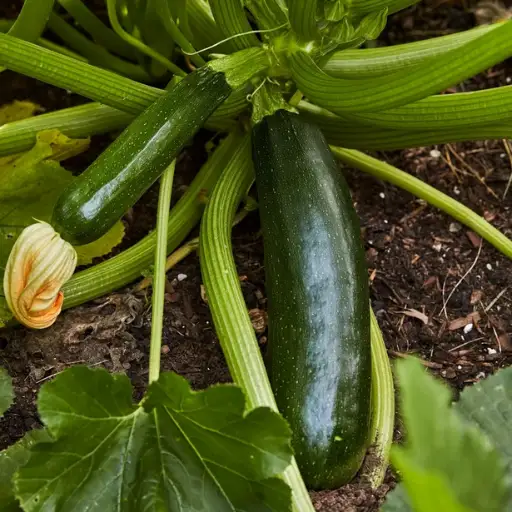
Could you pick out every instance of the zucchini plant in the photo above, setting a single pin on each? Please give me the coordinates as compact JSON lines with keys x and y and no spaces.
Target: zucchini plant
{"x":294,"y":77}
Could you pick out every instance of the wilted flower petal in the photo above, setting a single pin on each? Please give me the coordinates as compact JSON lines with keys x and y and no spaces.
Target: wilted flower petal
{"x":39,"y":264}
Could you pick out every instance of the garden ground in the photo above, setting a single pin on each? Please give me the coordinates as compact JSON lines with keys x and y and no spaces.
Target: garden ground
{"x":438,"y":291}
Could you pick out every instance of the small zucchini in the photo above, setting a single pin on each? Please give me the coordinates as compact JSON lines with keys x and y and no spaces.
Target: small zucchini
{"x":99,"y":197}
{"x":317,"y":287}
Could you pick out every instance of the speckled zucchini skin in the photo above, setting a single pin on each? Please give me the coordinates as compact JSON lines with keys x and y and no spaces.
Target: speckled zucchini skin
{"x":99,"y":197}
{"x":317,"y":287}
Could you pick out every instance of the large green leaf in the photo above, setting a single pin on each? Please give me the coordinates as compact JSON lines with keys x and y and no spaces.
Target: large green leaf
{"x":446,"y":463}
{"x":6,"y":391}
{"x":30,"y":185}
{"x":404,"y":86}
{"x":397,"y":500}
{"x":488,"y":404}
{"x":11,"y":460}
{"x":181,"y":450}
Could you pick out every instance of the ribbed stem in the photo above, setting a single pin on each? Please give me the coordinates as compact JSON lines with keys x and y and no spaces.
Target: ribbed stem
{"x":229,"y":312}
{"x":403,"y":86}
{"x":94,"y":53}
{"x":157,"y":311}
{"x":431,"y":195}
{"x":31,"y":20}
{"x":352,"y":134}
{"x":128,"y":266}
{"x":383,"y":407}
{"x":98,"y":31}
{"x":375,"y":62}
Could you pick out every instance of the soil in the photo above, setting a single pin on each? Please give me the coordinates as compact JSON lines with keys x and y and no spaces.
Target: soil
{"x":438,"y":291}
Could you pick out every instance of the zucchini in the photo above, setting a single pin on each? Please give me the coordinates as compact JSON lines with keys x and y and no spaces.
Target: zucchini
{"x":99,"y":197}
{"x":319,"y":325}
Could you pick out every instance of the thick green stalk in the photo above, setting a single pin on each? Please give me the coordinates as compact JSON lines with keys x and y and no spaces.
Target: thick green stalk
{"x":177,"y":36}
{"x":128,"y":266}
{"x":352,"y":134}
{"x":157,"y":314}
{"x":429,"y":194}
{"x":383,"y":407}
{"x":302,"y":14}
{"x":76,"y":122}
{"x":32,"y":19}
{"x":231,"y":20}
{"x":79,"y":77}
{"x":204,"y":29}
{"x":268,"y":13}
{"x":5,"y":25}
{"x":375,"y":62}
{"x":102,"y":85}
{"x":362,"y":7}
{"x":404,"y":86}
{"x":98,"y":31}
{"x":229,"y":312}
{"x":95,"y":54}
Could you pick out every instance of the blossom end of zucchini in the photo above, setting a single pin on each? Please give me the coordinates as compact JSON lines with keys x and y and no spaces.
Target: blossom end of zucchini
{"x":39,"y":264}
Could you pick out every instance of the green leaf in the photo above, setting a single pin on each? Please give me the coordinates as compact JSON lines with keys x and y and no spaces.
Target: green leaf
{"x":6,"y":391}
{"x":16,"y":111}
{"x":102,"y":246}
{"x":397,"y":500}
{"x":403,"y":86}
{"x":5,"y":312}
{"x":446,"y":463}
{"x":11,"y":460}
{"x":183,"y":450}
{"x":30,"y":185}
{"x":488,"y":404}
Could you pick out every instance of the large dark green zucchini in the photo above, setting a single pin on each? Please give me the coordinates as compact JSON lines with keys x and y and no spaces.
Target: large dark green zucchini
{"x":317,"y":287}
{"x":99,"y":197}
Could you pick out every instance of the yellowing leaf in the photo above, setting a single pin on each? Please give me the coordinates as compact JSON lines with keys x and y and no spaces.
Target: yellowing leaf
{"x":102,"y":246}
{"x":17,"y":110}
{"x":31,"y":183}
{"x":61,"y":146}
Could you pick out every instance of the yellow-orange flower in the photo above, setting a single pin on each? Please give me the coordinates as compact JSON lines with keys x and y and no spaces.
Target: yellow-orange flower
{"x":39,"y":264}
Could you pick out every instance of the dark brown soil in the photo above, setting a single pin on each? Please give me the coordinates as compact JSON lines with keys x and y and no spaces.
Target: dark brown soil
{"x":430,"y":276}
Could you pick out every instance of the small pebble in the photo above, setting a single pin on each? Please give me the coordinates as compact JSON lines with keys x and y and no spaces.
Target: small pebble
{"x":456,"y":191}
{"x":508,"y":79}
{"x":454,"y":227}
{"x":480,"y":375}
{"x":491,"y":351}
{"x":181,"y":277}
{"x":488,"y":266}
{"x":382,"y":195}
{"x":468,"y":328}
{"x":435,"y":153}
{"x":165,"y":349}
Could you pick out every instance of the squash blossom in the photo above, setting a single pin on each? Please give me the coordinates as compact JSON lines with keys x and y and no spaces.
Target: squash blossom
{"x":39,"y":264}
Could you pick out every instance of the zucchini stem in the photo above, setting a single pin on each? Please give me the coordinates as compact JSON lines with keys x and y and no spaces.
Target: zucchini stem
{"x":383,"y":408}
{"x":431,"y":195}
{"x":136,"y":43}
{"x":32,"y":19}
{"x":157,"y":317}
{"x":229,"y":312}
